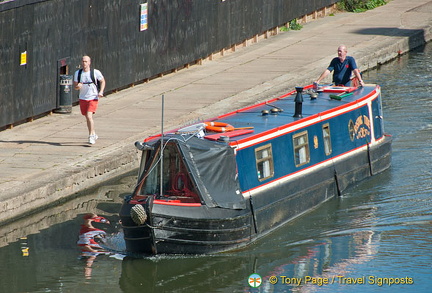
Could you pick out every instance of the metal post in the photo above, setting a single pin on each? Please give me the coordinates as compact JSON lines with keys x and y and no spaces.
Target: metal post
{"x":162,"y":148}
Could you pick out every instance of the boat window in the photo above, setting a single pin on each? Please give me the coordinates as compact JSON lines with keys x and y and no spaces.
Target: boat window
{"x":176,"y":182}
{"x":327,"y":139}
{"x":264,"y":162}
{"x":301,"y":148}
{"x":144,"y":158}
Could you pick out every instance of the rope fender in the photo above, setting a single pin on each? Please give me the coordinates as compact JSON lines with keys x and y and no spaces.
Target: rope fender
{"x":138,"y":214}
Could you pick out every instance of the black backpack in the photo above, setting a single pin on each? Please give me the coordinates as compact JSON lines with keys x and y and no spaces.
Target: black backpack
{"x":93,"y":78}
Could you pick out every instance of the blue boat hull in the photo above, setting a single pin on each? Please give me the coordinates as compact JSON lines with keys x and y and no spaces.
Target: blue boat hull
{"x":203,"y":230}
{"x":219,"y":195}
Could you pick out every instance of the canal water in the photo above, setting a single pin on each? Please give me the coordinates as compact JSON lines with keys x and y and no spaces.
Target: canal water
{"x":377,"y":237}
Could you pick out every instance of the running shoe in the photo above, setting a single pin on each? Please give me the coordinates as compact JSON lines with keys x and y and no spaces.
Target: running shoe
{"x":93,"y":138}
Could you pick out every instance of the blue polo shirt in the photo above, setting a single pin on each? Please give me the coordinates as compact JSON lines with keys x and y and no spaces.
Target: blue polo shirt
{"x":342,"y":70}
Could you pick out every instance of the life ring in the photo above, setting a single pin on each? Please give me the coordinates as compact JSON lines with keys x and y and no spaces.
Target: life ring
{"x":218,"y":126}
{"x":180,"y":183}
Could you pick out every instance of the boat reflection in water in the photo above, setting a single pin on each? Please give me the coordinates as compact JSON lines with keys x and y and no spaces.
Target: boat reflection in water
{"x":331,"y":263}
{"x":325,"y":258}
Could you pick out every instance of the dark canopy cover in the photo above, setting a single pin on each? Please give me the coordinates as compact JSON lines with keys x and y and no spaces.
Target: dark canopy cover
{"x":214,"y":170}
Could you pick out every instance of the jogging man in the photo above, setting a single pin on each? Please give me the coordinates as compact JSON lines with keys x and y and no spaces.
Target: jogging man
{"x":91,"y":86}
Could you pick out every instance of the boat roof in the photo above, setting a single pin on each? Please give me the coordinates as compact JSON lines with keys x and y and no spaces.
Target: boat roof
{"x":278,"y":113}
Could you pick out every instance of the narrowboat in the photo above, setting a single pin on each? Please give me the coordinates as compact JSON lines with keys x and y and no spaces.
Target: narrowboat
{"x":223,"y":183}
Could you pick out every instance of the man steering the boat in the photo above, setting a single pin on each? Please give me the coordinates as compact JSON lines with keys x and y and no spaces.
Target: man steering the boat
{"x":342,"y":66}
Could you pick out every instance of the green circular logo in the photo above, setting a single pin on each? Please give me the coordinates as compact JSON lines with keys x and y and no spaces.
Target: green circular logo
{"x":255,"y":280}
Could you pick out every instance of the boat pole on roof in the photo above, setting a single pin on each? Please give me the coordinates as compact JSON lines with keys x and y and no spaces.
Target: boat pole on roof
{"x":161,"y":148}
{"x":298,"y":102}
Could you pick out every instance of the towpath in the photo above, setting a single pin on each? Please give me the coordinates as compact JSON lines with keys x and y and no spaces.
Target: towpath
{"x":49,"y":159}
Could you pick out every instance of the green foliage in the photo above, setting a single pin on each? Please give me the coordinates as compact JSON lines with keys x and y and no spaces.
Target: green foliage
{"x":360,"y":5}
{"x":294,"y":25}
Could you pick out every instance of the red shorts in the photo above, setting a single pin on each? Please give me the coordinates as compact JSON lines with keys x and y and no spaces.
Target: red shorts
{"x":88,"y":106}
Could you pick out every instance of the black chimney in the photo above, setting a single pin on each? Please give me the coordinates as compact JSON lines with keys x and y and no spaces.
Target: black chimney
{"x":298,"y":102}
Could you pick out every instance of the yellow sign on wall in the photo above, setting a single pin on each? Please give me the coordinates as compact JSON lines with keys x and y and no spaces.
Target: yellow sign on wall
{"x":23,"y":58}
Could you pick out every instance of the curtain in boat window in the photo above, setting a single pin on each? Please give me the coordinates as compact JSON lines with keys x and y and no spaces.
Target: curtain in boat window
{"x":301,"y":148}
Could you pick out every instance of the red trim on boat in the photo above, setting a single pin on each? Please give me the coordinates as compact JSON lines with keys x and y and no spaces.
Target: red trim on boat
{"x":175,"y":203}
{"x":229,"y":134}
{"x":152,"y":137}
